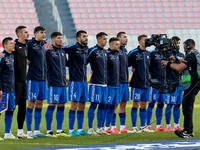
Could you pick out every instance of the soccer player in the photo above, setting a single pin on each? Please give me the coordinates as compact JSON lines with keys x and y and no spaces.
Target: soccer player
{"x":36,"y":81}
{"x":155,"y":96}
{"x":77,"y":86}
{"x":113,"y":81}
{"x":57,"y":90}
{"x":123,"y":86}
{"x":97,"y":57}
{"x":139,"y":59}
{"x":7,"y":83}
{"x":175,"y":98}
{"x":20,"y":57}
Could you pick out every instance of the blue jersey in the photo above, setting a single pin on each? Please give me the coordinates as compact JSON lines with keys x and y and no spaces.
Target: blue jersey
{"x":170,"y":72}
{"x":77,"y":61}
{"x":37,"y":56}
{"x":123,"y":64}
{"x":56,"y":67}
{"x":140,"y":60}
{"x":113,"y":68}
{"x":97,"y":57}
{"x":7,"y":78}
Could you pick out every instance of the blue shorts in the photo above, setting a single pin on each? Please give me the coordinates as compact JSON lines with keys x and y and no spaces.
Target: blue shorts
{"x":57,"y":95}
{"x":176,"y":97}
{"x":113,"y":95}
{"x":124,"y":92}
{"x":78,"y":91}
{"x":140,"y":94}
{"x":98,"y":94}
{"x":36,"y":90}
{"x":10,"y":97}
{"x":157,"y":97}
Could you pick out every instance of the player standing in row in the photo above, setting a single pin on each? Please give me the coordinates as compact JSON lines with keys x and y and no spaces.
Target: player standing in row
{"x":175,"y":98}
{"x":57,"y":90}
{"x":97,"y":57}
{"x":140,"y":59}
{"x":113,"y":81}
{"x":123,"y":86}
{"x":7,"y":83}
{"x":155,"y":96}
{"x":77,"y":87}
{"x":36,"y":81}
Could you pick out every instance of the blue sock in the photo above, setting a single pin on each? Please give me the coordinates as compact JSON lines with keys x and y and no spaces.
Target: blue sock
{"x":104,"y":117}
{"x":176,"y":114}
{"x":80,"y":119}
{"x":100,"y":115}
{"x":168,"y":111}
{"x":149,"y":113}
{"x":109,"y":115}
{"x":113,"y":119}
{"x":142,"y":117}
{"x":60,"y":117}
{"x":8,"y":121}
{"x":29,"y":115}
{"x":134,"y":116}
{"x":159,"y":112}
{"x":91,"y":112}
{"x":122,"y":117}
{"x":49,"y":116}
{"x":72,"y":115}
{"x":37,"y":117}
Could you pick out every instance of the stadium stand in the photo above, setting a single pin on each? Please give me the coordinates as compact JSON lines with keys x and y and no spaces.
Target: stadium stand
{"x":14,"y":13}
{"x":174,"y":17}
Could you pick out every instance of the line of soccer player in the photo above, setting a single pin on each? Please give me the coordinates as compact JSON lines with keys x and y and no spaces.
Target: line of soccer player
{"x":108,"y":85}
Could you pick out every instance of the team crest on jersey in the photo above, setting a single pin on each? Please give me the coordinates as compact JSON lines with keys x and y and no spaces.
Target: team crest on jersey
{"x":62,"y":54}
{"x":98,"y":54}
{"x":138,"y":56}
{"x":147,"y":57}
{"x":112,"y":56}
{"x":157,"y":56}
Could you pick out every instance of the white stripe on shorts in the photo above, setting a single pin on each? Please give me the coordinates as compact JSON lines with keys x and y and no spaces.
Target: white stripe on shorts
{"x":72,"y":89}
{"x":29,"y":90}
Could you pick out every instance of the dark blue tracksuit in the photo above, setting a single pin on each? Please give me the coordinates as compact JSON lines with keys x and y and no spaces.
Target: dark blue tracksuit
{"x":37,"y":56}
{"x":7,"y":77}
{"x":170,"y":72}
{"x":77,"y":62}
{"x":123,"y":64}
{"x":113,"y":68}
{"x":56,"y":67}
{"x":156,"y":67}
{"x":97,"y":57}
{"x":140,"y":60}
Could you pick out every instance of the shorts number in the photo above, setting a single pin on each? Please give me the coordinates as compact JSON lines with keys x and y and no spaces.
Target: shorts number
{"x":56,"y":97}
{"x":74,"y":95}
{"x":109,"y":98}
{"x":33,"y":95}
{"x":97,"y":97}
{"x":173,"y":98}
{"x":137,"y":96}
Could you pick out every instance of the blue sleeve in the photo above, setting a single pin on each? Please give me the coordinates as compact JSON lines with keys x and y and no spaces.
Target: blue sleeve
{"x":68,"y":49}
{"x":131,"y":59}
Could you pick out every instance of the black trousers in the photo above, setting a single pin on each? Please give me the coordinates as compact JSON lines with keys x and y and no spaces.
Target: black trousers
{"x":20,"y":100}
{"x":187,"y":106}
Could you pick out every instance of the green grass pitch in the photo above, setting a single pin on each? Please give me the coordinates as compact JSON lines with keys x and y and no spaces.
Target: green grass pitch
{"x":92,"y":140}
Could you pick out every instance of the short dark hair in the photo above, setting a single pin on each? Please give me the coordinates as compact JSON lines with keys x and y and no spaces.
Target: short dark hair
{"x":78,"y":34}
{"x":120,"y":33}
{"x":5,"y":41}
{"x":176,"y":38}
{"x":19,"y":29}
{"x":100,"y":34}
{"x":55,"y":34}
{"x":112,"y":39}
{"x":141,"y":36}
{"x":190,"y":41}
{"x":38,"y":28}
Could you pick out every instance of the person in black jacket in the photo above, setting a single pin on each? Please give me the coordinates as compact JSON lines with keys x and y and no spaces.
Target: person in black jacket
{"x":20,"y":57}
{"x":7,"y":83}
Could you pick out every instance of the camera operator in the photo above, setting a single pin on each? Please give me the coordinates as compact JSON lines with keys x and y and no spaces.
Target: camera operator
{"x":155,"y":95}
{"x":190,"y":84}
{"x":175,"y":98}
